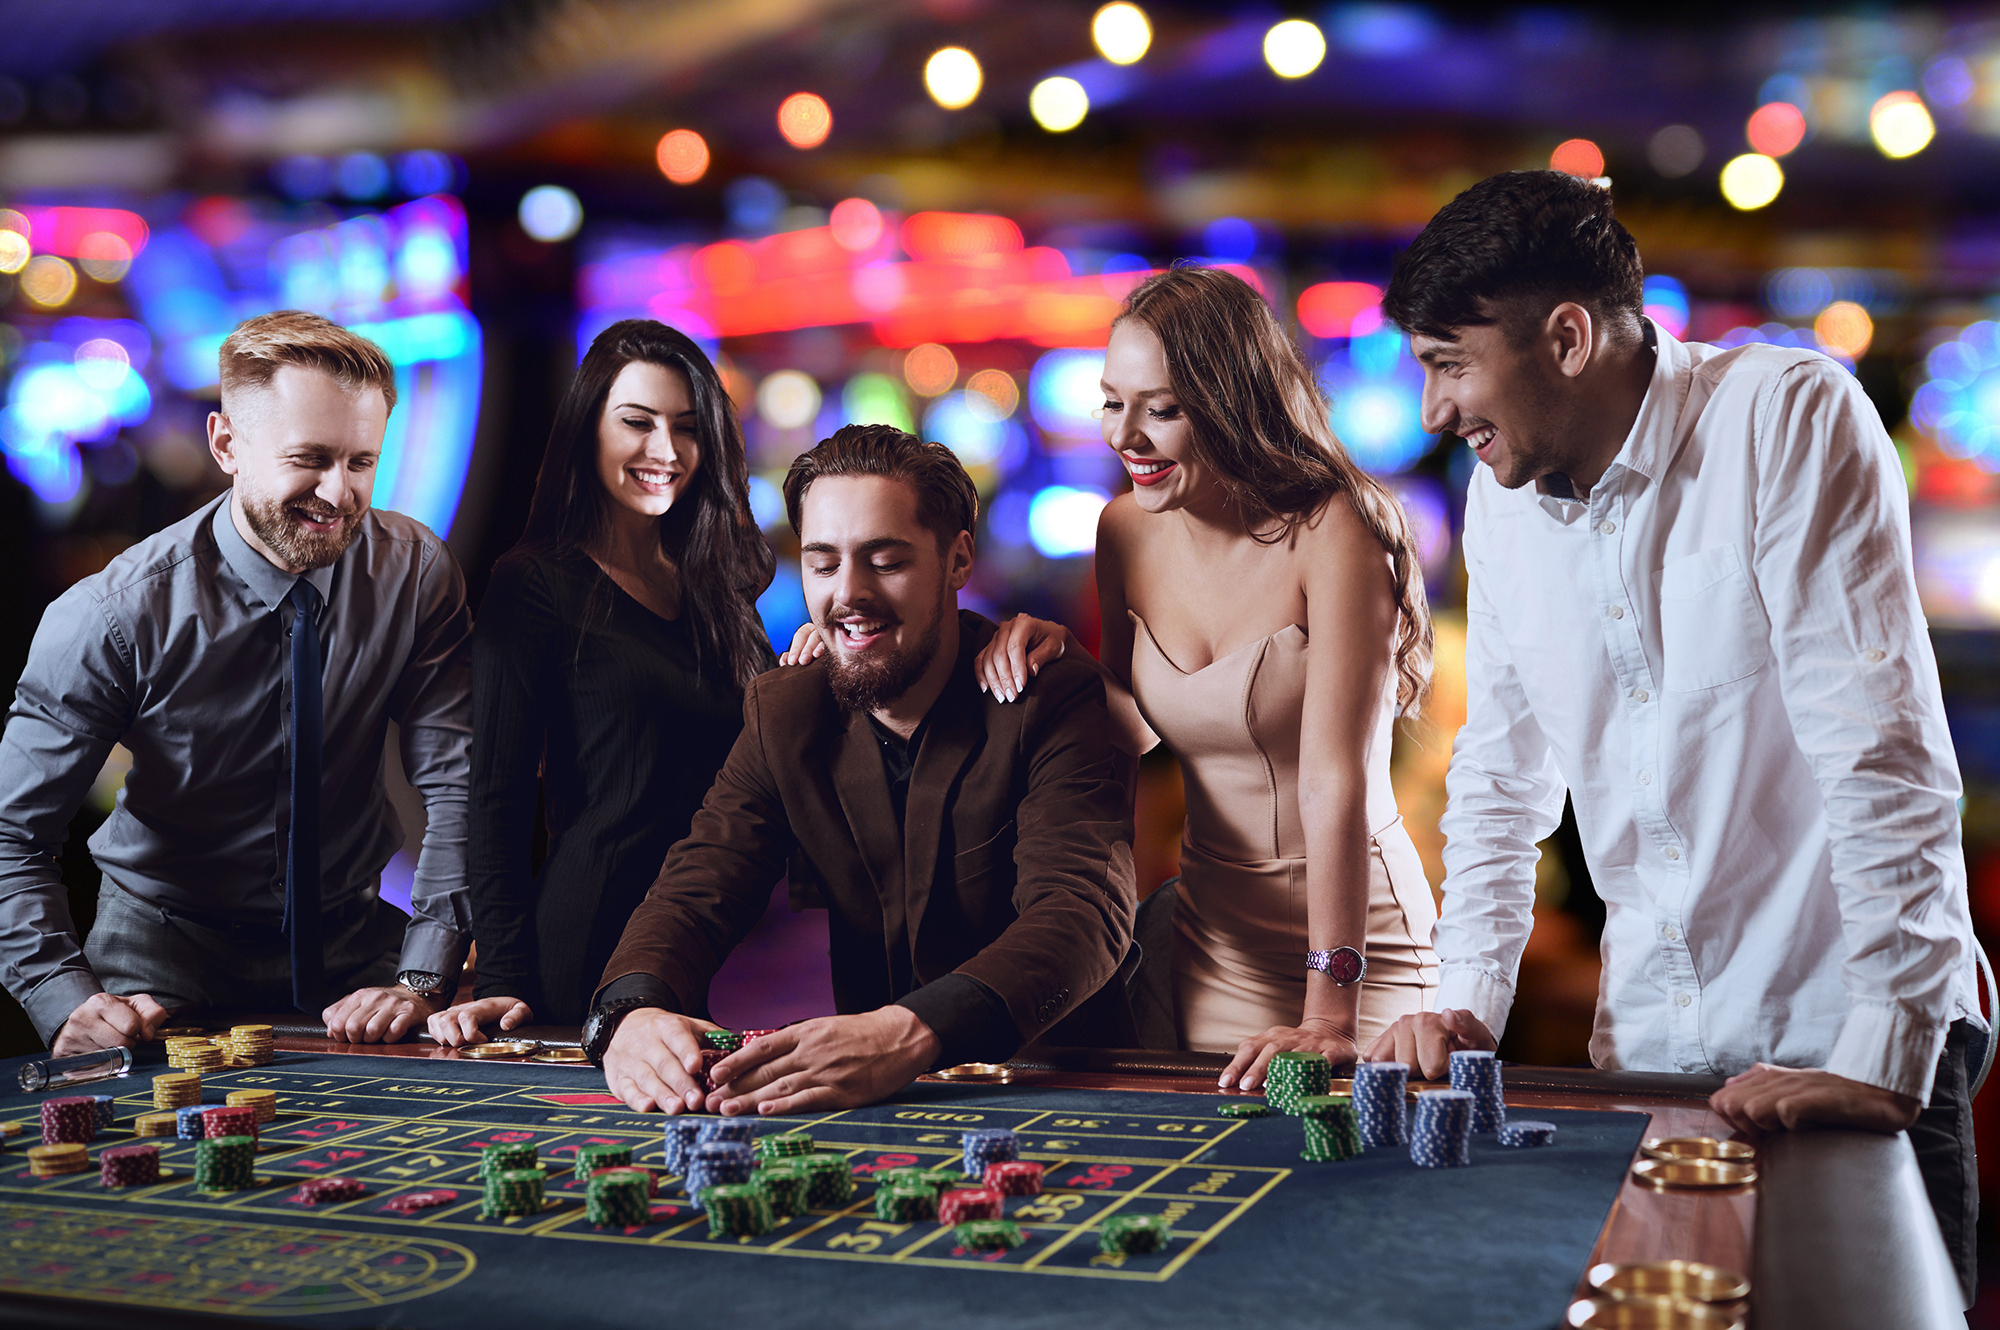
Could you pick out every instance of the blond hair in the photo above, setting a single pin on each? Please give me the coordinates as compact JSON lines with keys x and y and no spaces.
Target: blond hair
{"x":259,"y":347}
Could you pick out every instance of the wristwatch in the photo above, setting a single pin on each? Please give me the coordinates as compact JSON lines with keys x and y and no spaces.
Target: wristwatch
{"x":603,"y":1023}
{"x":1343,"y":965}
{"x":422,"y":982}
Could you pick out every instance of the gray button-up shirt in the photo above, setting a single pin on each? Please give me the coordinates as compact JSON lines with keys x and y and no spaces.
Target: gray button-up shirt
{"x":178,"y":650}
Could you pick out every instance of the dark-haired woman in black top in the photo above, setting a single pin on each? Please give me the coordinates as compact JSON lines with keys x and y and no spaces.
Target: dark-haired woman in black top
{"x":609,"y":660}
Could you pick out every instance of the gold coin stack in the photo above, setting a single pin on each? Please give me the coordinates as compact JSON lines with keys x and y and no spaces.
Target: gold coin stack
{"x":176,"y":1089}
{"x":197,"y":1055}
{"x":155,"y":1124}
{"x":48,"y":1161}
{"x":9,"y":1130}
{"x":265,"y":1102}
{"x":248,"y":1045}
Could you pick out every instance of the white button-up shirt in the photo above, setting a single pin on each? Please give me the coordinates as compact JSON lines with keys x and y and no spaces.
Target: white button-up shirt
{"x":1720,"y":655}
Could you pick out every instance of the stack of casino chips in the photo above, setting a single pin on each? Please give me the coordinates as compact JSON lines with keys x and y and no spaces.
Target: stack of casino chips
{"x":829,"y":1180}
{"x":748,"y":1035}
{"x":189,"y":1124}
{"x":1014,"y":1177}
{"x":592,"y":1158}
{"x":903,"y":1177}
{"x":617,"y":1198}
{"x":1133,"y":1235}
{"x":1442,"y":1134}
{"x":49,"y":1161}
{"x":705,"y":1077}
{"x":989,"y":1235}
{"x":155,"y":1124}
{"x":645,"y":1175}
{"x":1242,"y":1108}
{"x":129,"y":1166}
{"x":989,"y":1146}
{"x":248,"y":1045}
{"x":726,"y":1040}
{"x":69,"y":1119}
{"x":784,"y":1184}
{"x":9,"y":1130}
{"x":1290,"y":1077}
{"x":107,"y":1110}
{"x":196,"y":1053}
{"x":229,"y":1120}
{"x":961,"y":1205}
{"x":264,"y":1103}
{"x":514,"y":1191}
{"x":905,"y":1203}
{"x":716,"y":1164}
{"x":1520,"y":1133}
{"x":176,"y":1089}
{"x":225,"y":1163}
{"x":741,"y":1131}
{"x":496,"y":1161}
{"x":325,"y":1191}
{"x":680,"y":1137}
{"x":783,"y":1145}
{"x":1380,"y":1089}
{"x":1330,"y":1129}
{"x":1477,"y":1072}
{"x":737,"y":1210}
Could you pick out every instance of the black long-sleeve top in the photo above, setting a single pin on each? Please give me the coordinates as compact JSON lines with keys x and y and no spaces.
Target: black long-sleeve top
{"x":585,"y":696}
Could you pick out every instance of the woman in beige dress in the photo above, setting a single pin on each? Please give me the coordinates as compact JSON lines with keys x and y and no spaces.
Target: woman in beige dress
{"x":1264,"y":615}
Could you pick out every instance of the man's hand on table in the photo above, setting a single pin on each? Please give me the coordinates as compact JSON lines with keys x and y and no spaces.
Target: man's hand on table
{"x":457,"y":1026}
{"x":831,"y":1062}
{"x":377,"y":1015}
{"x":1767,"y":1098}
{"x":105,"y":1020}
{"x":1254,"y":1054}
{"x":653,"y":1062}
{"x":1427,"y":1039}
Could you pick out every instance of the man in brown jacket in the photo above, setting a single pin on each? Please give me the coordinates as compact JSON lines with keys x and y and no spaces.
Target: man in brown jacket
{"x":975,"y":859}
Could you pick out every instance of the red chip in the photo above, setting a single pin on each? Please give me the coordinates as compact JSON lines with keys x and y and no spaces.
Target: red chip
{"x":233,"y":1120}
{"x":963,"y":1203}
{"x":316,"y":1191}
{"x":1014,"y":1177}
{"x":709,"y":1057}
{"x":412,"y":1201}
{"x":748,"y":1035}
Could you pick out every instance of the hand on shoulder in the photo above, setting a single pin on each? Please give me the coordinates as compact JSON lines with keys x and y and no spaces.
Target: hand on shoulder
{"x":1019,"y":649}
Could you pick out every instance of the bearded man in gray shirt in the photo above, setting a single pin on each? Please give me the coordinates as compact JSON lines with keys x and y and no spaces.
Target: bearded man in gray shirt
{"x":250,"y":657}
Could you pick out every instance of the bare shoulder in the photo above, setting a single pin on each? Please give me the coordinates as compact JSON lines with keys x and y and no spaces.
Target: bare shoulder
{"x":1121,"y":524}
{"x":1336,"y":533}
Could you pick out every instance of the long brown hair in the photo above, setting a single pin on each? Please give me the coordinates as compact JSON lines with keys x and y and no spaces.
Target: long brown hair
{"x":1259,"y":421}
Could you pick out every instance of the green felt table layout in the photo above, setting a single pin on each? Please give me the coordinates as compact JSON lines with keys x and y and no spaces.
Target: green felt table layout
{"x":1255,"y":1230}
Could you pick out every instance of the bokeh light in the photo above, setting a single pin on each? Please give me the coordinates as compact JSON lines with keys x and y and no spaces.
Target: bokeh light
{"x":876,"y":399}
{"x":805,"y":119}
{"x":1578,"y":157}
{"x":1676,"y":150}
{"x":1775,"y":128}
{"x":1845,"y":329}
{"x":1329,"y":308}
{"x":993,"y":393}
{"x":964,"y":422}
{"x":15,"y":251}
{"x":788,"y":399}
{"x":104,"y":256}
{"x":1751,"y":181}
{"x":1065,"y":392}
{"x":362,"y":175}
{"x":1122,"y":33}
{"x":1375,"y":388}
{"x":930,"y":369}
{"x":1294,"y":48}
{"x":48,"y":281}
{"x":1231,"y":239}
{"x":682,"y":155}
{"x":856,"y":225}
{"x":1058,"y":104}
{"x":953,"y":78}
{"x":1960,"y":401}
{"x":1062,"y":520}
{"x":102,"y":363}
{"x":425,"y":171}
{"x":551,"y":213}
{"x":1666,"y":303}
{"x":1901,"y":124}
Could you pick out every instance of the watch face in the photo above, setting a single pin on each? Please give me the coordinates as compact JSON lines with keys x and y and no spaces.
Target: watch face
{"x":1343,"y":965}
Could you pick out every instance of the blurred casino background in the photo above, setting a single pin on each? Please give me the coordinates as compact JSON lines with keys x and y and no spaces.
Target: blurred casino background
{"x":926,"y":212}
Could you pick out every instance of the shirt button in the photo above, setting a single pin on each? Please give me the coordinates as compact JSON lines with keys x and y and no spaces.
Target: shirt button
{"x":1617,"y":611}
{"x":1683,"y":1000}
{"x":1645,"y":778}
{"x":1670,"y":933}
{"x":1874,"y":655}
{"x":1671,"y":852}
{"x":1641,"y":695}
{"x":1607,"y":526}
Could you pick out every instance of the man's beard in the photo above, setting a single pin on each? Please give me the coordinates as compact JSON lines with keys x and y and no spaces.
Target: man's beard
{"x":880,"y":678}
{"x":284,"y":538}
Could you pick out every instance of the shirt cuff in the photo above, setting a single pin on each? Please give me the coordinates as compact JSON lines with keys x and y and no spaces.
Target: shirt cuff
{"x":432,"y":948}
{"x":640,"y":986}
{"x":969,"y":1019}
{"x":1468,"y":988}
{"x":1887,"y":1045}
{"x":50,"y":1002}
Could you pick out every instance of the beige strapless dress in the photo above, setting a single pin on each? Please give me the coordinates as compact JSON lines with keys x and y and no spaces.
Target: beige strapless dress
{"x":1240,"y":925}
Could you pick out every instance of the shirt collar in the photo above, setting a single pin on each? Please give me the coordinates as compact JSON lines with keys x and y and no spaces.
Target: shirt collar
{"x":1648,"y":447}
{"x":267,"y":582}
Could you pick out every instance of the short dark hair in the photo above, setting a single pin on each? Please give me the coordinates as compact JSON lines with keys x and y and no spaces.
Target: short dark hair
{"x":947,"y":502}
{"x":1512,"y":248}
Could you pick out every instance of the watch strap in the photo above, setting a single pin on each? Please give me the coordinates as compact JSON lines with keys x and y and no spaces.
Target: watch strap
{"x":604,"y":1023}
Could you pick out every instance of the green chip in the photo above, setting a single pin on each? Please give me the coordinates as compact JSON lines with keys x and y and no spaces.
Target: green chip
{"x":915,"y":1177}
{"x":989,"y":1235}
{"x":784,"y":1145}
{"x":1133,"y":1234}
{"x":737,"y":1210}
{"x":1243,"y":1108}
{"x":590,"y":1158}
{"x":906,"y":1204}
{"x":784,"y":1185}
{"x":726,"y":1040}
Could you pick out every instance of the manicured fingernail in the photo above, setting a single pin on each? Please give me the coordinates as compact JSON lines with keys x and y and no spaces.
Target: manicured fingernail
{"x":1222,"y":1081}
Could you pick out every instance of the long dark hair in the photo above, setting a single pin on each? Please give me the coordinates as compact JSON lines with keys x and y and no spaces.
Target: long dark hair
{"x":709,"y":533}
{"x":1260,"y":422}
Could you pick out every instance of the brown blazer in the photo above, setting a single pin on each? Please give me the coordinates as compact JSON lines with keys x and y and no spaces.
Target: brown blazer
{"x":1014,"y":866}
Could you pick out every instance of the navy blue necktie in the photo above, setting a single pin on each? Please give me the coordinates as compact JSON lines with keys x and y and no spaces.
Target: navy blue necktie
{"x":302,"y":916}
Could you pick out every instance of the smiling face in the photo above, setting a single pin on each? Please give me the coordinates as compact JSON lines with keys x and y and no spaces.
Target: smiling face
{"x":877,"y":585}
{"x":647,"y":447}
{"x":1508,"y":401}
{"x":1145,"y":425}
{"x":302,"y":450}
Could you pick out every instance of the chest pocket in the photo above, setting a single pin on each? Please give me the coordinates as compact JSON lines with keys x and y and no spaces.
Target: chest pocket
{"x":1712,"y":630}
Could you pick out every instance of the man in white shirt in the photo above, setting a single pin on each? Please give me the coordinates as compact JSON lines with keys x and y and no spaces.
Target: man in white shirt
{"x":1691,"y":607}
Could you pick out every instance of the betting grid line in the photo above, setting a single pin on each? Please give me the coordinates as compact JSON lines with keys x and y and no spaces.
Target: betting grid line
{"x":1236,"y":1212}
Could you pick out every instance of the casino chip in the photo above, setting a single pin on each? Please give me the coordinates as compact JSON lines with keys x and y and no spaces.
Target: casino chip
{"x":962,"y":1205}
{"x":709,"y":1057}
{"x":1331,"y":1133}
{"x":189,"y":1124}
{"x":988,"y":1146}
{"x":1133,"y":1234}
{"x":903,"y":1177}
{"x":645,"y":1175}
{"x":1242,"y":1108}
{"x":129,"y":1166}
{"x":325,"y":1191}
{"x":412,"y":1201}
{"x":107,"y":1111}
{"x":618,"y":1198}
{"x":1477,"y":1072}
{"x":248,"y":1046}
{"x":155,"y":1124}
{"x":717,"y":1163}
{"x":225,"y":1163}
{"x":230,"y":1120}
{"x":1380,"y":1090}
{"x":591,"y":1159}
{"x":784,"y":1145}
{"x":514,"y":1191}
{"x":1289,"y":1077}
{"x":990,"y":1235}
{"x":737,"y":1210}
{"x":176,"y":1089}
{"x":263,"y":1103}
{"x":1014,"y":1177}
{"x":49,"y":1161}
{"x":69,"y":1120}
{"x":9,"y":1130}
{"x":1519,"y":1134}
{"x":906,"y":1204}
{"x":784,"y":1184}
{"x":726,"y":1040}
{"x":1441,"y":1137}
{"x":829,"y":1180}
{"x":681,"y":1135}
